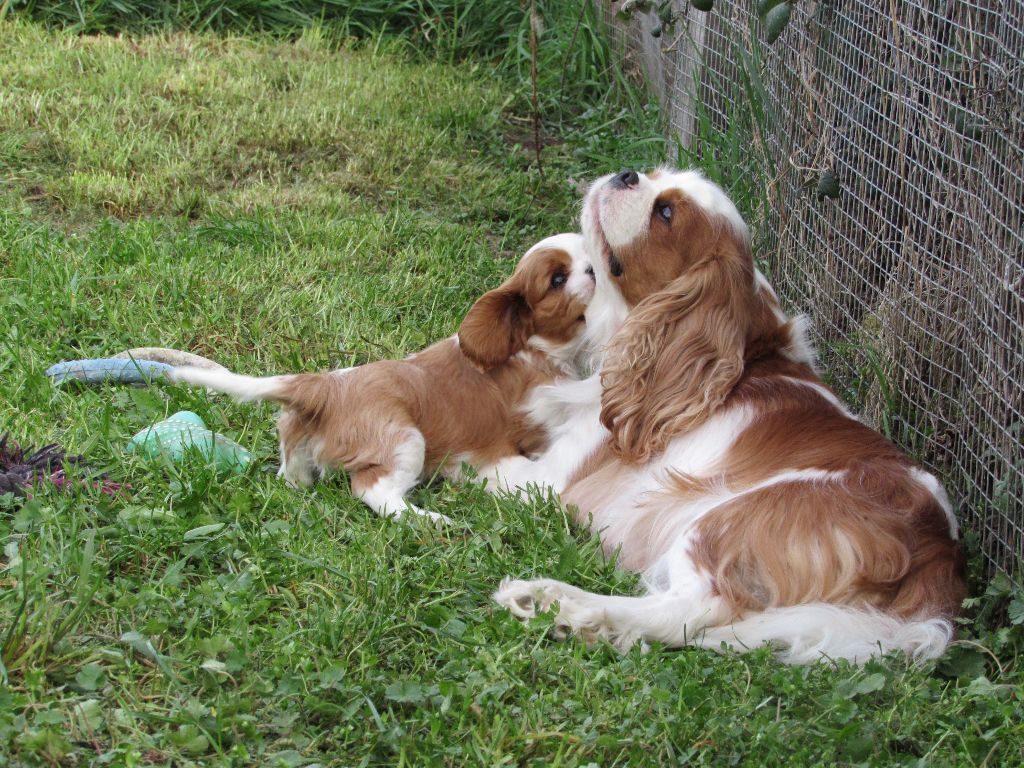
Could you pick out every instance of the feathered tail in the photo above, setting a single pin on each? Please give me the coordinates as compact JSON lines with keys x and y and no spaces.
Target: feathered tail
{"x":243,"y":388}
{"x":803,"y":634}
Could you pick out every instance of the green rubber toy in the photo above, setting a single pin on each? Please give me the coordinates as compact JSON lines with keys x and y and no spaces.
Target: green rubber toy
{"x":184,"y":430}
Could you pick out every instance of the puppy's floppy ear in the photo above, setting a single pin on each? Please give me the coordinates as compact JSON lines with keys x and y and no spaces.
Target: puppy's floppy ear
{"x":677,"y":357}
{"x":496,"y":326}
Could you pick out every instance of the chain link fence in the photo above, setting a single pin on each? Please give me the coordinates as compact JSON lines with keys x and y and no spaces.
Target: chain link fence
{"x":913,"y":269}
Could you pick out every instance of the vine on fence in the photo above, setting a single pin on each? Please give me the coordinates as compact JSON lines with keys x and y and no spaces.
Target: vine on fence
{"x":774,"y":14}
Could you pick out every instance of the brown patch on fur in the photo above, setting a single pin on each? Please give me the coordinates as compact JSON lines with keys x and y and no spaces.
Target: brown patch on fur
{"x":871,"y":539}
{"x":496,"y":327}
{"x":794,"y":427}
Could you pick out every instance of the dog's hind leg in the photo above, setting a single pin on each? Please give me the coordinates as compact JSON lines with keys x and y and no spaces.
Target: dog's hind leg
{"x":382,"y":487}
{"x":298,"y":468}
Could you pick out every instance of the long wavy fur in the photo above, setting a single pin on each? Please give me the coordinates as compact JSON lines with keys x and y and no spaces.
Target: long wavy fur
{"x":677,"y":356}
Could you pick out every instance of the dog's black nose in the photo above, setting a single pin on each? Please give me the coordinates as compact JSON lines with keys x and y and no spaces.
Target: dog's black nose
{"x":590,"y":271}
{"x":625,"y":180}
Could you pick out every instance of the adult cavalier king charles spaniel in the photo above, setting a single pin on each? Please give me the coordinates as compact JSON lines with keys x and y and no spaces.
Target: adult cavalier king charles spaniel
{"x":708,"y":453}
{"x":392,"y":423}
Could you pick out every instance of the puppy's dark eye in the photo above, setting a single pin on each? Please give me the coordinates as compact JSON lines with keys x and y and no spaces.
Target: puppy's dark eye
{"x":558,"y":279}
{"x":664,"y":211}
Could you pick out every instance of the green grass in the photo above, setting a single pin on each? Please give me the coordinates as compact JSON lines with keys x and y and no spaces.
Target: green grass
{"x":448,"y":28}
{"x":282,"y":205}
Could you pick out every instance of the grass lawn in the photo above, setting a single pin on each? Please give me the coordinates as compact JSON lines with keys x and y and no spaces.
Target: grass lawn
{"x":283,"y":206}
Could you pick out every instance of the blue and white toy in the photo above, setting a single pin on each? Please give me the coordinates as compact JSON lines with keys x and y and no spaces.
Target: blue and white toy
{"x":134,"y":366}
{"x":107,"y":370}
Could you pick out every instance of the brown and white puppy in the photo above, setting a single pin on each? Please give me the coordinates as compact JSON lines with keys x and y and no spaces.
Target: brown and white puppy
{"x":392,"y":423}
{"x":719,"y":465}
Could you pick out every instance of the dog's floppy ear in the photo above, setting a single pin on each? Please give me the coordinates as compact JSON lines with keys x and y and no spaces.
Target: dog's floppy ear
{"x":496,"y":326}
{"x":677,"y":357}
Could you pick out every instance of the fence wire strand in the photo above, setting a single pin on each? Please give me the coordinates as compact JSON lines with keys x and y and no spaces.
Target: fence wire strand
{"x":914,"y":275}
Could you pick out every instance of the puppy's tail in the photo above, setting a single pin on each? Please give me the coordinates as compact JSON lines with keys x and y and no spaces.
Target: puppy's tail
{"x":803,"y":634}
{"x":242,"y":388}
{"x":306,"y":395}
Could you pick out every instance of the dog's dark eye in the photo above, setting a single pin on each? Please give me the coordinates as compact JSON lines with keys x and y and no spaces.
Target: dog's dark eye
{"x":558,"y":279}
{"x":664,"y":211}
{"x":615,"y":266}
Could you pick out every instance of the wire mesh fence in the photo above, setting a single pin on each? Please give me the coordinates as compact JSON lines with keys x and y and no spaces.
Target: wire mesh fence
{"x":911,"y":113}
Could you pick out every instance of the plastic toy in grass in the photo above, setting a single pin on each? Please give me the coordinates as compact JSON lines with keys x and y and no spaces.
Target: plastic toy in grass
{"x":133,"y":366}
{"x":107,"y":369}
{"x":21,"y":468}
{"x":185,"y":431}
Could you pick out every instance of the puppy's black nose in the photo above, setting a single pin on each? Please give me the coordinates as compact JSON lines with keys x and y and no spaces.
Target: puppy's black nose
{"x":589,"y":271}
{"x":626,"y":180}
